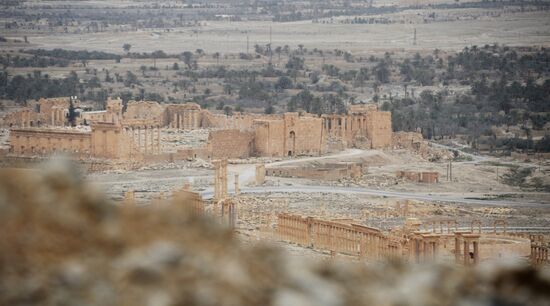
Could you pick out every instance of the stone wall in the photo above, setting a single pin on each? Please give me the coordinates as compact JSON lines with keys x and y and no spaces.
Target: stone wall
{"x":236,"y":121}
{"x":269,"y":137}
{"x":145,"y":110}
{"x":407,"y":140}
{"x":379,"y":130}
{"x":230,"y":144}
{"x":364,"y":126}
{"x":420,"y":177}
{"x":110,"y":141}
{"x":38,"y":141}
{"x":186,"y":116}
{"x":241,"y":135}
{"x":53,"y":111}
{"x":327,"y":172}
{"x":20,"y":118}
{"x":104,"y":140}
{"x":290,"y":136}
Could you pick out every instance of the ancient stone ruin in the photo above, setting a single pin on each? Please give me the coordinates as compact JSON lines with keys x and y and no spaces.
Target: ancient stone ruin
{"x":136,"y":133}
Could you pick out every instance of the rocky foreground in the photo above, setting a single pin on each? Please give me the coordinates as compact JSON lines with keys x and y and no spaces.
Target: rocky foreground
{"x":62,"y":243}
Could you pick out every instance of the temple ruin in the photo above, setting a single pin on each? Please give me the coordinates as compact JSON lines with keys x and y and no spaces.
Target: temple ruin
{"x":136,"y":132}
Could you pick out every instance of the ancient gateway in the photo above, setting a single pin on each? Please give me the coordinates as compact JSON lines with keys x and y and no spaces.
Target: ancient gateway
{"x":135,"y":133}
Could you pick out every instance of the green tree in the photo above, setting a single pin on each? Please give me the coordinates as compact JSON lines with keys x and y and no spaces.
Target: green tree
{"x":382,"y":72}
{"x":187,"y":58}
{"x":228,"y":110}
{"x":269,"y":109}
{"x":291,"y":105}
{"x":283,"y":82}
{"x":126,"y":47}
{"x":71,"y":117}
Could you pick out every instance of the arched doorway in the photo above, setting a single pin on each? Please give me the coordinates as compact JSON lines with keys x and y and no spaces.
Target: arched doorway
{"x":292,"y":139}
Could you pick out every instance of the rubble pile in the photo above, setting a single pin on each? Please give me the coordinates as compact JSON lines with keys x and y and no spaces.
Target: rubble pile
{"x":173,"y":139}
{"x":63,"y":244}
{"x":180,"y":164}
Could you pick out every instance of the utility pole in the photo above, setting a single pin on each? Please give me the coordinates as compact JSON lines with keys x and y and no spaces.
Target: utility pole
{"x":451,"y":171}
{"x":247,"y":43}
{"x":414,"y":39}
{"x":497,"y":174}
{"x":270,"y":47}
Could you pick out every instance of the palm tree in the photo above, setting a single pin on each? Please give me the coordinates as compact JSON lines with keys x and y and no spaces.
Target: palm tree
{"x":278,"y":50}
{"x":187,"y":58}
{"x":217,"y":57}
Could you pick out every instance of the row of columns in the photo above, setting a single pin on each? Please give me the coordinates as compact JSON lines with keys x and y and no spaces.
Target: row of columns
{"x":192,"y":201}
{"x":342,"y":125}
{"x":425,"y":247}
{"x":294,"y":229}
{"x":26,"y":119}
{"x":539,"y":254}
{"x":145,"y":139}
{"x":335,"y":237}
{"x":188,"y":120}
{"x":58,"y":116}
{"x":469,"y":255}
{"x":444,"y":226}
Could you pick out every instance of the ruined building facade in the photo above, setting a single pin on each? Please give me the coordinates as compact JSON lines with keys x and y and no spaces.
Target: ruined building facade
{"x":136,"y":131}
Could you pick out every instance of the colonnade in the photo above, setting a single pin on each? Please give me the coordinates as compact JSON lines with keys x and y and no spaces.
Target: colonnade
{"x":27,"y":119}
{"x":539,"y":253}
{"x":441,"y":226}
{"x":293,"y":229}
{"x":57,"y":116}
{"x":468,"y":256}
{"x":344,"y":125}
{"x":190,"y":200}
{"x":145,"y":139}
{"x":187,"y":120}
{"x":424,"y":247}
{"x":350,"y":239}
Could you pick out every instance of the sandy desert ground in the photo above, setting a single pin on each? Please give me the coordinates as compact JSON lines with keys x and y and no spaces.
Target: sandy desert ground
{"x":531,"y":28}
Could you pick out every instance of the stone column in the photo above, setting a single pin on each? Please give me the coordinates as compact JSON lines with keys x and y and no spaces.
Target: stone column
{"x":158,"y":140}
{"x":466,"y":252}
{"x":476,"y":252}
{"x":138,"y":130}
{"x":457,"y":247}
{"x":237,"y":191}
{"x":145,"y":142}
{"x":153,"y":142}
{"x":129,"y":198}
